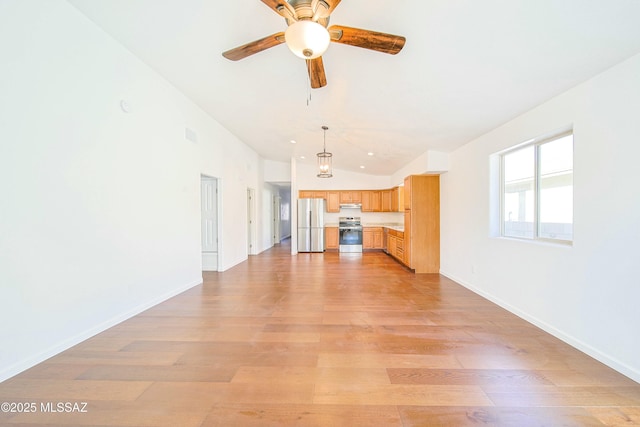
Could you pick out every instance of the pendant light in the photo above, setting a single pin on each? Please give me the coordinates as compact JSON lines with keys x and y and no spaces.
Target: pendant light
{"x":324,"y":158}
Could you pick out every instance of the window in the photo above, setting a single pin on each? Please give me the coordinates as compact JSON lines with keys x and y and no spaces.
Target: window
{"x":537,"y":190}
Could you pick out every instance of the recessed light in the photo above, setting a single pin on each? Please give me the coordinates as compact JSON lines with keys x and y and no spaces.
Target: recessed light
{"x":362,"y":167}
{"x":302,"y":157}
{"x":293,"y":141}
{"x":370,"y":153}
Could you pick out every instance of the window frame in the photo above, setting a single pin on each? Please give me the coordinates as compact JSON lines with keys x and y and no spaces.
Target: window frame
{"x":537,"y":143}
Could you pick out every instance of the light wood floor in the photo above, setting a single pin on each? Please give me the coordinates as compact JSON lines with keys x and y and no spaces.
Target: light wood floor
{"x":324,"y":340}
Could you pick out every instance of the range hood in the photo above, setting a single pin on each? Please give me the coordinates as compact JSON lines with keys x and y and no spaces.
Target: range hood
{"x":351,"y":205}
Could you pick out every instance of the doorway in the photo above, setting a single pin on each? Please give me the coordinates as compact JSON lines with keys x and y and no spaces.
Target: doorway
{"x":209,"y":222}
{"x":276,"y":219}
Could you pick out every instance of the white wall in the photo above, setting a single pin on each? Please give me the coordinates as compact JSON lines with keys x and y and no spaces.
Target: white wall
{"x":100,"y":209}
{"x":277,"y":172}
{"x":306,"y":179}
{"x":586,"y":294}
{"x":432,"y":162}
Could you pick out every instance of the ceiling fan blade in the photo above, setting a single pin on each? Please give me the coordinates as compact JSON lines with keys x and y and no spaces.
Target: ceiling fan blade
{"x":317,"y":77}
{"x":281,"y":7}
{"x":381,"y":42}
{"x":253,"y":47}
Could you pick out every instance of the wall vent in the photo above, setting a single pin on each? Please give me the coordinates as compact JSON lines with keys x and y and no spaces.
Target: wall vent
{"x":191,"y":135}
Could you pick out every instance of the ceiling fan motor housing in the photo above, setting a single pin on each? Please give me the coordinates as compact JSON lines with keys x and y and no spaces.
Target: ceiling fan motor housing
{"x":309,"y":10}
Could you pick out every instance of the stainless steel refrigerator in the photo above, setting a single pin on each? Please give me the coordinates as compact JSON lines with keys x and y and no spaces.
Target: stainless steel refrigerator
{"x":310,"y":225}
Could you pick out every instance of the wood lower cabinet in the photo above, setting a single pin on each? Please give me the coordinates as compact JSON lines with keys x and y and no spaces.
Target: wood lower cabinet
{"x":400,"y":244}
{"x":395,"y":244}
{"x":331,"y":238}
{"x":372,"y":238}
{"x":407,"y":239}
{"x":392,"y":245}
{"x":378,"y":242}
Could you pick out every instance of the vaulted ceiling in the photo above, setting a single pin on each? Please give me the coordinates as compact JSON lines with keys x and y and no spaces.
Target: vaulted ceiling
{"x":468,"y":66}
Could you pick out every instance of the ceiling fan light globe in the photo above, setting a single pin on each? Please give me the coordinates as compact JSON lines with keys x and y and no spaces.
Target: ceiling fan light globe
{"x":307,"y":39}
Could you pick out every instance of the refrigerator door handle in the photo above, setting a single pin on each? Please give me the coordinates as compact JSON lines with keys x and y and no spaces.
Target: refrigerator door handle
{"x":310,"y":234}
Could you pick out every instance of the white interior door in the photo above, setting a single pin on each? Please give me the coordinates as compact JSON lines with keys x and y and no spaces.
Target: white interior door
{"x":276,"y":219}
{"x":209,"y":229}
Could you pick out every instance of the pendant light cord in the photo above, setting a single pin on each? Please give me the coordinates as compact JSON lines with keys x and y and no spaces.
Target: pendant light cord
{"x":324,"y":139}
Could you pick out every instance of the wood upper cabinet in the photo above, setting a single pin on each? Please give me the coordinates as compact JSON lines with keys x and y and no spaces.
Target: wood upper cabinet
{"x":386,"y":197}
{"x":312,"y":194}
{"x":376,"y":200}
{"x":371,"y":201}
{"x":333,"y":201}
{"x":331,"y":238}
{"x":366,"y":201}
{"x":351,"y":197}
{"x":407,"y":192}
{"x":397,"y":199}
{"x":390,"y":200}
{"x":422,"y":223}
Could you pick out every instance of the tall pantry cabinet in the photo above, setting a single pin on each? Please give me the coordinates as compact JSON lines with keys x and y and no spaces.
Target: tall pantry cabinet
{"x":422,"y":223}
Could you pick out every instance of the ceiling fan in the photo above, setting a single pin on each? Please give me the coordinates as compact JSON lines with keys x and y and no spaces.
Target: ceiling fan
{"x":308,"y":37}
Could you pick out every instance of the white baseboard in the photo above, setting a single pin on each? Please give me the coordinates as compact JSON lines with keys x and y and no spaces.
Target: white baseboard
{"x":608,"y":360}
{"x":33,"y":360}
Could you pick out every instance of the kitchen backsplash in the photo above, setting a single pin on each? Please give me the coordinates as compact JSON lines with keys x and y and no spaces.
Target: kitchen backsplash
{"x":367,"y":217}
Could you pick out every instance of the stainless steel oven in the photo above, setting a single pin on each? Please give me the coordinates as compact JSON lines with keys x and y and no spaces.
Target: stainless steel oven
{"x":350,"y":229}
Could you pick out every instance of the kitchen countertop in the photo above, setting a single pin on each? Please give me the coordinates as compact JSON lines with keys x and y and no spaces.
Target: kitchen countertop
{"x":393,"y":226}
